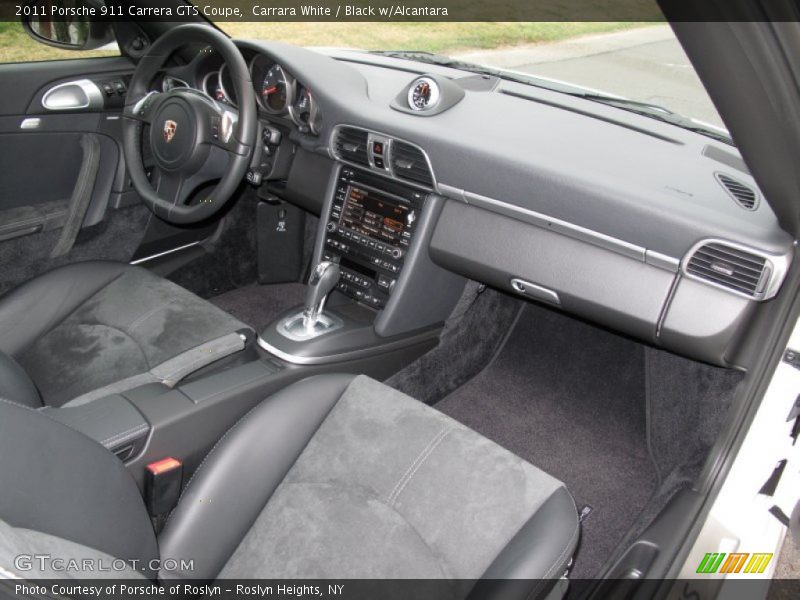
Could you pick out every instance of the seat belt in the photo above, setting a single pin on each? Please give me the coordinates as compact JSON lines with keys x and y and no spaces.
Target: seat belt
{"x":81,"y":194}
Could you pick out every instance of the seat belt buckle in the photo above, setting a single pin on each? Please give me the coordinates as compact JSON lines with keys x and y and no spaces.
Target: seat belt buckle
{"x":163,"y":485}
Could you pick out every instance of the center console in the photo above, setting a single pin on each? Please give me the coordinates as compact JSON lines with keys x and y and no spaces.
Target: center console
{"x":368,"y":232}
{"x":387,"y":295}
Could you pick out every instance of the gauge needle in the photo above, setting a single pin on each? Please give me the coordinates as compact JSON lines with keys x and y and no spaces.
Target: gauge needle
{"x":270,"y":90}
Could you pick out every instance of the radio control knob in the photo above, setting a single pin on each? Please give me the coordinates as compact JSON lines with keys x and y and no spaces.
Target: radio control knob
{"x":332,"y":227}
{"x":397,"y":254}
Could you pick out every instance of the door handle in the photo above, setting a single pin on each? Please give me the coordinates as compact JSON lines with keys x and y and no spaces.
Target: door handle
{"x":74,"y":95}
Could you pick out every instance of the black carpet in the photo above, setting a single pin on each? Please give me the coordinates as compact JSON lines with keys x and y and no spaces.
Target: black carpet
{"x":259,"y":305}
{"x":468,"y":342}
{"x":570,"y":398}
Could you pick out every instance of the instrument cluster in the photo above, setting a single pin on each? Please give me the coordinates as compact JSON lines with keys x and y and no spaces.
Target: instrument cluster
{"x":277,"y":91}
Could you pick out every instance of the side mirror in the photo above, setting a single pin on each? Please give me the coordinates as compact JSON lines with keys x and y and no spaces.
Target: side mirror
{"x":67,"y":33}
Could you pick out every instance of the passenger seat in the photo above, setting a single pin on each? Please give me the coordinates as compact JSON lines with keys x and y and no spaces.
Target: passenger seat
{"x":334,"y":477}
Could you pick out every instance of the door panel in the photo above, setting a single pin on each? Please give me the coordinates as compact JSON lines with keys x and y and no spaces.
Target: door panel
{"x":41,"y":157}
{"x":30,"y":176}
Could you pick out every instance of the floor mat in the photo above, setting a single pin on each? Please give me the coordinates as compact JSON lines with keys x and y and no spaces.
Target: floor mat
{"x":259,"y":305}
{"x":569,"y":398}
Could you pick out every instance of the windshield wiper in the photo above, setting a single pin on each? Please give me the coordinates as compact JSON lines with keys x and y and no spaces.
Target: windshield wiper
{"x":642,"y":108}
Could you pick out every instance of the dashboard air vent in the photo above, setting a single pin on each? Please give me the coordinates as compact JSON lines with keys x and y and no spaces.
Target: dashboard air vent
{"x":745,"y":196}
{"x":351,"y":145}
{"x":408,"y":162}
{"x":729,"y":267}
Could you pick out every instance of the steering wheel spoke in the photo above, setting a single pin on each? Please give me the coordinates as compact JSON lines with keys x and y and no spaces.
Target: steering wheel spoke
{"x":145,"y":109}
{"x":171,"y":186}
{"x":222,"y":124}
{"x":176,"y":187}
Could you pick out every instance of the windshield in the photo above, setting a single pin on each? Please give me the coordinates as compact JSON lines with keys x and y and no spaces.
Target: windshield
{"x":643,"y":62}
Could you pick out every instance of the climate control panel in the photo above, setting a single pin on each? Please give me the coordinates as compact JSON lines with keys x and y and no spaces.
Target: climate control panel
{"x":368,"y":232}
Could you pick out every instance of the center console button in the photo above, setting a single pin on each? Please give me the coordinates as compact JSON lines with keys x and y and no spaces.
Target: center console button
{"x":332,"y":227}
{"x":397,"y":253}
{"x":385,"y":282}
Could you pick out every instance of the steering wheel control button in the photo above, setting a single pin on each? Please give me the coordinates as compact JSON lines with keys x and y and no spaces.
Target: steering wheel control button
{"x":226,"y":125}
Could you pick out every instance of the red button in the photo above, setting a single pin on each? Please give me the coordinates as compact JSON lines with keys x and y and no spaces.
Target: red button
{"x":377,"y":148}
{"x":163,"y":465}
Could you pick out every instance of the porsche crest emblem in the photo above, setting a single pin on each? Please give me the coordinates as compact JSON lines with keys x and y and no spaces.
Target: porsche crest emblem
{"x":170,"y":127}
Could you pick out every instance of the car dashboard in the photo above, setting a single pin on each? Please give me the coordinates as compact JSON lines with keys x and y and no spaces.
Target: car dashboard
{"x":636,"y":224}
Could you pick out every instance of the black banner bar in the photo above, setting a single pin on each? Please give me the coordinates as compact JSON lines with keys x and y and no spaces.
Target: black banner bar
{"x":402,"y":10}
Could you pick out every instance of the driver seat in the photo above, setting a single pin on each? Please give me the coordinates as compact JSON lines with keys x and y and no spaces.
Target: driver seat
{"x":91,"y":329}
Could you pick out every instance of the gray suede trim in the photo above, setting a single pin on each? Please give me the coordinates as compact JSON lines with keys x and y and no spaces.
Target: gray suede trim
{"x":132,"y":325}
{"x":81,"y":194}
{"x":170,"y":372}
{"x":389,"y":487}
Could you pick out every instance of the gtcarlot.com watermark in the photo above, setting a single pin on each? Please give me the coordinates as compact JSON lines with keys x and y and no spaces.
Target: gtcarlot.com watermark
{"x":25,"y":563}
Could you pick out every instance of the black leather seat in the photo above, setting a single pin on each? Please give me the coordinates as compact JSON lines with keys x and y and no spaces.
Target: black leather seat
{"x":332,"y":477}
{"x":85,"y":326}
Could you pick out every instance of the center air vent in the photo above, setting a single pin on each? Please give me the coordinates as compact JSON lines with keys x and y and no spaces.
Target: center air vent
{"x":409,"y":162}
{"x":730,"y":267}
{"x":744,"y":195}
{"x":351,"y":145}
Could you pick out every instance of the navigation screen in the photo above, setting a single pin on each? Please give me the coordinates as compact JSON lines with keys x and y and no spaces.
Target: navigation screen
{"x":374,"y":215}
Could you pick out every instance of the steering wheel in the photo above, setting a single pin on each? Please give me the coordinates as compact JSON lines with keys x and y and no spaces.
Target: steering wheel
{"x":193,"y":139}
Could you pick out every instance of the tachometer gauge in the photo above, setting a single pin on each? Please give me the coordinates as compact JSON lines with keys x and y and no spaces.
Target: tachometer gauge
{"x":226,"y":86}
{"x":213,"y":89}
{"x":274,"y":87}
{"x":274,"y":90}
{"x":304,"y":111}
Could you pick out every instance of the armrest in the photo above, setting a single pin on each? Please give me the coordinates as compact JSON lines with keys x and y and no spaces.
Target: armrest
{"x":25,"y":220}
{"x":112,"y":421}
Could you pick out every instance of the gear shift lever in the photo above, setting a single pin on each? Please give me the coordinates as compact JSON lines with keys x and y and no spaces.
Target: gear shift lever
{"x":322,"y":281}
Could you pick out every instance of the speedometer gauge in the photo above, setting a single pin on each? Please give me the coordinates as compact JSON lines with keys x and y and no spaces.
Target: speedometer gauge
{"x":274,"y":87}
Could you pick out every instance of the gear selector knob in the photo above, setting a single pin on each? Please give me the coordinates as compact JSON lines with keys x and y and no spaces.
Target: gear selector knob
{"x":323,"y":279}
